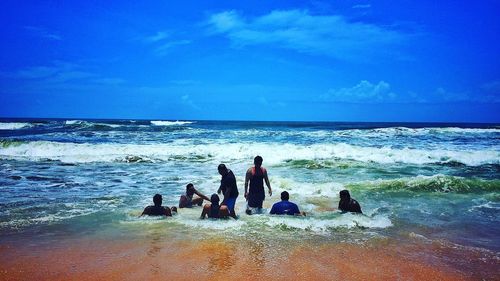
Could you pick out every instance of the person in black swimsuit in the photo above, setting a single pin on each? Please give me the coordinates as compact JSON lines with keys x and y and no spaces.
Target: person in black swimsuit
{"x":187,"y":200}
{"x":256,"y":176}
{"x":158,"y":209}
{"x":347,"y":204}
{"x":213,"y":210}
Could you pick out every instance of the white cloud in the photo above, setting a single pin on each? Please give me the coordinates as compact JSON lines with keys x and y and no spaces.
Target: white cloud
{"x":226,"y":21}
{"x":109,"y":81}
{"x":263,"y":101}
{"x":43,"y":32}
{"x":162,"y":42}
{"x":492,"y":86}
{"x":184,"y":82}
{"x":362,"y":6}
{"x":363,"y":92}
{"x":330,"y":35}
{"x":159,"y":36}
{"x":56,"y":72}
{"x":59,"y":75}
{"x":441,"y":94}
{"x":165,"y":47}
{"x":185,"y":99}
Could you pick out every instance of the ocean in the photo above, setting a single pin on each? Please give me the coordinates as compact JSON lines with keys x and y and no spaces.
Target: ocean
{"x":417,"y":183}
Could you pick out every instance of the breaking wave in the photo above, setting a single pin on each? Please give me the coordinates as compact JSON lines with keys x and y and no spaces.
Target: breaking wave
{"x":171,"y":123}
{"x":436,"y":183}
{"x":14,"y":126}
{"x":276,"y":153}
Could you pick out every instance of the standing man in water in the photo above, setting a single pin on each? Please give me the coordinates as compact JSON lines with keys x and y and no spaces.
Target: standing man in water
{"x":228,"y":188}
{"x":256,"y":176}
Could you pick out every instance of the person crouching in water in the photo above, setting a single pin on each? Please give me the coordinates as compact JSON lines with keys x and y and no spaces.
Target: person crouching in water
{"x":286,"y":207}
{"x":214,"y":210}
{"x":187,"y":200}
{"x":347,"y":204}
{"x":158,"y":209}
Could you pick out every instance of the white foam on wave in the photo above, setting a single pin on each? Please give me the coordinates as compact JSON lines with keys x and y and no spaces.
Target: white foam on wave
{"x":14,"y":125}
{"x":228,"y":224}
{"x":384,"y":133}
{"x":89,"y":124}
{"x":323,"y":225}
{"x":305,"y":189}
{"x":488,"y":205}
{"x":421,"y":131}
{"x":275,"y":153}
{"x":48,"y":218}
{"x":170,"y":123}
{"x":73,"y":122}
{"x":188,"y":217}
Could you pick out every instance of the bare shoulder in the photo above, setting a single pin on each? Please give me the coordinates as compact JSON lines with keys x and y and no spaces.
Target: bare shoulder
{"x":147,"y":210}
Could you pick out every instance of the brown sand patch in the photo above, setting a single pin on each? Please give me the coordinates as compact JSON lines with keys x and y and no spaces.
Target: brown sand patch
{"x":218,"y":259}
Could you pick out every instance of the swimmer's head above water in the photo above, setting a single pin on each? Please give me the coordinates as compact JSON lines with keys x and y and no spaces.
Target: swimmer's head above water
{"x":257,"y":161}
{"x":157,"y":200}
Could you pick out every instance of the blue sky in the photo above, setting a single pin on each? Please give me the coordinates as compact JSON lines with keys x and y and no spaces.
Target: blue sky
{"x":247,"y":60}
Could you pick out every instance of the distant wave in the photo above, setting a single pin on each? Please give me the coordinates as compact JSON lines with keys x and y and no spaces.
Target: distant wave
{"x":170,"y":123}
{"x":73,"y":122}
{"x":404,"y":131}
{"x":14,"y":126}
{"x":436,"y":183}
{"x":89,"y":124}
{"x":430,"y":130}
{"x":274,"y":153}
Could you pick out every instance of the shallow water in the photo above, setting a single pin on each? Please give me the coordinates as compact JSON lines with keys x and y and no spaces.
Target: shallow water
{"x":92,"y":178}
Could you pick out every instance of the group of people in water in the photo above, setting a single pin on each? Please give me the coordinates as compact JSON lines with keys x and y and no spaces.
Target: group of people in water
{"x":255,"y":178}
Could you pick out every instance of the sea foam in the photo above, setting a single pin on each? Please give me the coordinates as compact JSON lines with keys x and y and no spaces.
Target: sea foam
{"x":170,"y":123}
{"x":275,"y":153}
{"x":14,"y":126}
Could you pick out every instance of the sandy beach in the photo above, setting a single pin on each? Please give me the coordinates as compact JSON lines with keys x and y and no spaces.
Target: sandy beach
{"x":241,"y":259}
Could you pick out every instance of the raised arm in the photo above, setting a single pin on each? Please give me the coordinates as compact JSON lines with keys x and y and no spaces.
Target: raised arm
{"x":201,"y":195}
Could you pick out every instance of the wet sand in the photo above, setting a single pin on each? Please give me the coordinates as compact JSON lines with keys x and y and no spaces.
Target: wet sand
{"x":243,"y":259}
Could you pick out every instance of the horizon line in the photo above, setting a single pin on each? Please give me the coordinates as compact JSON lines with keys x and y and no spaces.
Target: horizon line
{"x":241,"y":120}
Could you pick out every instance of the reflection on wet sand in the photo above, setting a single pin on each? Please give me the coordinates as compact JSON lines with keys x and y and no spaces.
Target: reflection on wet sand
{"x":221,"y":256}
{"x":153,"y":251}
{"x":156,"y":256}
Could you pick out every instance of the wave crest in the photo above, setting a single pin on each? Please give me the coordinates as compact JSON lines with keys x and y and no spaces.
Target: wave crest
{"x":436,"y":183}
{"x":275,"y":153}
{"x":171,"y":123}
{"x":14,"y":126}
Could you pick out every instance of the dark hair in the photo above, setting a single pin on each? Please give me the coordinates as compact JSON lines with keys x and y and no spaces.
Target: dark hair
{"x":214,"y":199}
{"x":285,"y":196}
{"x":214,"y":207}
{"x":258,"y":160}
{"x":222,"y":167}
{"x":157,"y":199}
{"x":344,"y":194}
{"x":189,"y":185}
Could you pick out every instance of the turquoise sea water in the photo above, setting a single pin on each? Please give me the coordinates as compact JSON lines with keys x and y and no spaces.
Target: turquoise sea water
{"x":86,"y":177}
